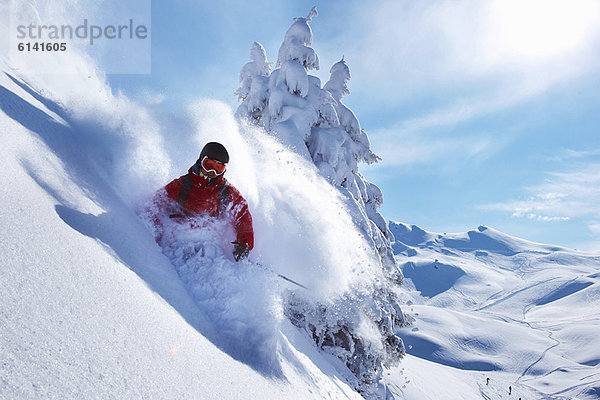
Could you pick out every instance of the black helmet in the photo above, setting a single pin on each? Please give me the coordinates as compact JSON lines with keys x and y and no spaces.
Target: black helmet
{"x":215,"y":151}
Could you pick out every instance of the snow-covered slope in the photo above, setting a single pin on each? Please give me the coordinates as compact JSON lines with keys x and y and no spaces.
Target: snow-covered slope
{"x":89,"y":306}
{"x":490,"y":305}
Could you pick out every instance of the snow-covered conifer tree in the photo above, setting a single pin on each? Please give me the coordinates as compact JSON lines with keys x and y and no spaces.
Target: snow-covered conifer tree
{"x":337,"y":86}
{"x":341,"y":148}
{"x":312,"y":120}
{"x":290,"y":92}
{"x":254,"y":89}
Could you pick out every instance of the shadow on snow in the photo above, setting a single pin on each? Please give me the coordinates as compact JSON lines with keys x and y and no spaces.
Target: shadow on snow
{"x":72,"y":144}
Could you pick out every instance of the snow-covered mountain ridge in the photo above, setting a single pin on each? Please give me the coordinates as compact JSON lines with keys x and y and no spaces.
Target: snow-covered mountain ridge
{"x":492,"y":305}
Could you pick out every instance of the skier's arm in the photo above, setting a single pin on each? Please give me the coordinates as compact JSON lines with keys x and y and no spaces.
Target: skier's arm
{"x":242,"y":220}
{"x":173,"y":188}
{"x":163,"y":206}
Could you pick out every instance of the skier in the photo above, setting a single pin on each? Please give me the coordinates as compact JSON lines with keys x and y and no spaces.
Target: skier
{"x":204,"y":190}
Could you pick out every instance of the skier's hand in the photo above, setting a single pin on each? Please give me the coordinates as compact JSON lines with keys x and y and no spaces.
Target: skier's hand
{"x":240,"y":251}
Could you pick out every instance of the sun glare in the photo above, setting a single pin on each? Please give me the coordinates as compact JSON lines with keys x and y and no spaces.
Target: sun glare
{"x":535,"y":29}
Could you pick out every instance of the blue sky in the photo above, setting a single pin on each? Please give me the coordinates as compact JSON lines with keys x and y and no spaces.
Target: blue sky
{"x":483,"y":112}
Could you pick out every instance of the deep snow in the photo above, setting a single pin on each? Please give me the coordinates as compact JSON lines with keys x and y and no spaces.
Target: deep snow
{"x":90,"y":307}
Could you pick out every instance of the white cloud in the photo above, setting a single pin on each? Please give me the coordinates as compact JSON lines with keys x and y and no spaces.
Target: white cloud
{"x":468,"y":108}
{"x":468,"y":59}
{"x":570,"y":154}
{"x":564,"y":195}
{"x":474,"y":58}
{"x":401,"y":147}
{"x":534,"y":30}
{"x":151,"y":97}
{"x":569,"y":195}
{"x":595,"y":227}
{"x":457,"y":42}
{"x":593,"y":245}
{"x":418,"y":140}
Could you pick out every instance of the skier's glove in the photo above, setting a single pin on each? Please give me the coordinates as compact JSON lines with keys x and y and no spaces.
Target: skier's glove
{"x":240,"y":251}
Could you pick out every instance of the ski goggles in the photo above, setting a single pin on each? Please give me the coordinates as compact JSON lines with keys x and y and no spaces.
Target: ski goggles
{"x":210,"y":165}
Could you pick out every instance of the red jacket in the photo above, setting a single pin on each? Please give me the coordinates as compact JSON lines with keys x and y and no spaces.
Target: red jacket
{"x":201,"y":195}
